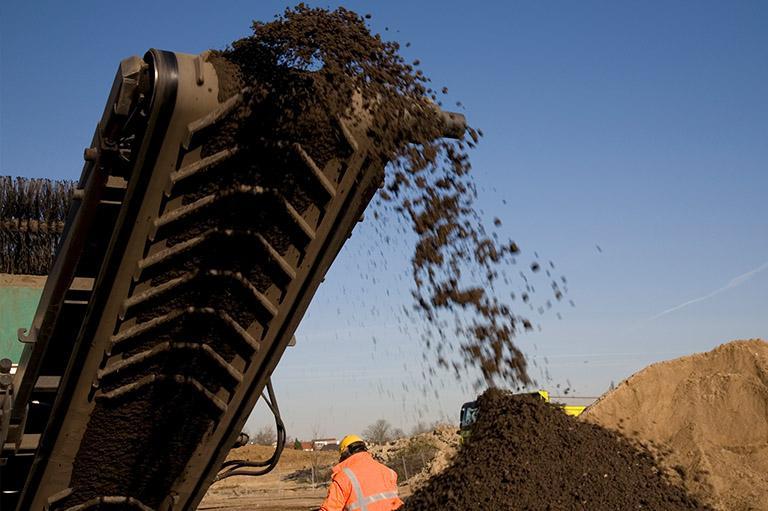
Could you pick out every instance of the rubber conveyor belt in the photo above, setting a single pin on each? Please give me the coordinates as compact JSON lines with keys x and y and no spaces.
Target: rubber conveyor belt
{"x":188,"y":308}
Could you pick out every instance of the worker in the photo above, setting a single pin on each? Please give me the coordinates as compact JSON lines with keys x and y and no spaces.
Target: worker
{"x":359,"y":482}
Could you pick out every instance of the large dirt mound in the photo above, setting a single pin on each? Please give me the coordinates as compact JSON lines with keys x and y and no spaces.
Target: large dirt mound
{"x":707,"y":415}
{"x":526,"y":454}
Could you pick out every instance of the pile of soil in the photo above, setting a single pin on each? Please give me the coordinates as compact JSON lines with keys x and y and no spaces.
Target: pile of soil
{"x":420,"y":456}
{"x":309,"y":68}
{"x":705,"y":416}
{"x":526,"y":454}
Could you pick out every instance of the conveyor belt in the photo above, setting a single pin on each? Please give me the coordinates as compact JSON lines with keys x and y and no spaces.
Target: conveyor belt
{"x":213,"y":256}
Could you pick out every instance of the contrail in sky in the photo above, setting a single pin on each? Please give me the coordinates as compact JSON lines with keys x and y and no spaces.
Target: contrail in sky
{"x":734,"y":282}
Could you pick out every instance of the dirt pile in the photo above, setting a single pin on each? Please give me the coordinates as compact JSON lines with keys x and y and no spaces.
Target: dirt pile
{"x":310,"y":68}
{"x":417,"y":458}
{"x":526,"y":454}
{"x":706,"y":415}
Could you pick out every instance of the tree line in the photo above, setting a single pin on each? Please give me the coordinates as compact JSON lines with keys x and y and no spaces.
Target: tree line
{"x":379,"y":432}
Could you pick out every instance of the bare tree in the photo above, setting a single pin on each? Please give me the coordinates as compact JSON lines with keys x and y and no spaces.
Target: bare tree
{"x":314,"y":456}
{"x":380,"y":432}
{"x":420,"y":428}
{"x":264,"y":436}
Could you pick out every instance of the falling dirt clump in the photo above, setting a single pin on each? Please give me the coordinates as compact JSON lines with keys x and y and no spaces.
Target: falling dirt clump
{"x":526,"y":454}
{"x":705,"y":416}
{"x":311,"y":72}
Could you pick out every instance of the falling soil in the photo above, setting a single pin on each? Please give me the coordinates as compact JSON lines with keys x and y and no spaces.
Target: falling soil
{"x":311,"y":67}
{"x":705,"y":416}
{"x":526,"y":454}
{"x":308,"y":79}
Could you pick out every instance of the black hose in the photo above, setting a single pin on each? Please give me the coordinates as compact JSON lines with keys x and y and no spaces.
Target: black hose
{"x":240,"y":467}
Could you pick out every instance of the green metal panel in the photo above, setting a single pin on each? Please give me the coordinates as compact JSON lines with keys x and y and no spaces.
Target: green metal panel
{"x":17,"y":308}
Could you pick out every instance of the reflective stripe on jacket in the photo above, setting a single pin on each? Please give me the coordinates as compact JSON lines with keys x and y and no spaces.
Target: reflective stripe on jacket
{"x":361,"y":483}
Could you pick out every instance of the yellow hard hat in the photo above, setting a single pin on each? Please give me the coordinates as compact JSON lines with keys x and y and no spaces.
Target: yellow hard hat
{"x":347,"y":441}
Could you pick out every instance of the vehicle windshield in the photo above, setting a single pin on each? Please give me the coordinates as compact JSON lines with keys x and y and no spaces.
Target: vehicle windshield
{"x":468,"y":414}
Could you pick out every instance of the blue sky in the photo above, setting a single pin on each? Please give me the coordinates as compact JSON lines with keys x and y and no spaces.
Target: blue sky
{"x":638,"y":127}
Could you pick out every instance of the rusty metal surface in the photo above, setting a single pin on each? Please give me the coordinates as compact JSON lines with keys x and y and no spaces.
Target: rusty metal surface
{"x":53,"y":468}
{"x":66,"y":294}
{"x":188,"y":337}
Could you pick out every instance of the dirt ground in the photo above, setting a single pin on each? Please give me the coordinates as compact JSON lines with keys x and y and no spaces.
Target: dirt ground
{"x":264,"y":499}
{"x":271,"y":492}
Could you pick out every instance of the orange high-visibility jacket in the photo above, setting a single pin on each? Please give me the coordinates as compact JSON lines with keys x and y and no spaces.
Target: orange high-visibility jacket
{"x":362,"y":483}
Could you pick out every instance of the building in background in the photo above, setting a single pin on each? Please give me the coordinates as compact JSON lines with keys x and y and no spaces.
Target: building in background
{"x":319,"y":443}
